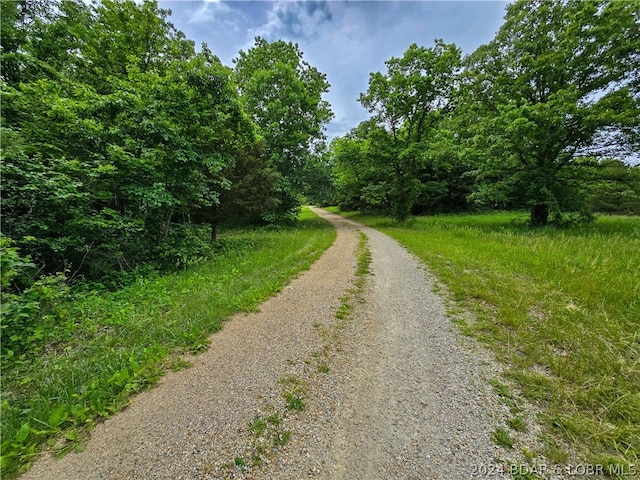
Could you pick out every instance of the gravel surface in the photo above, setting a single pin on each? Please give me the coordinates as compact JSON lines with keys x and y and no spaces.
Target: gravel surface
{"x":392,"y":391}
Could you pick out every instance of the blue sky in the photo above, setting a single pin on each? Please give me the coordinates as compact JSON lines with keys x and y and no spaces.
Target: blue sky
{"x":344,"y":40}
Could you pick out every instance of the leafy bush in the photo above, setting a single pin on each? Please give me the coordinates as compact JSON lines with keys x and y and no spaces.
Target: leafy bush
{"x":29,"y":314}
{"x":184,"y":245}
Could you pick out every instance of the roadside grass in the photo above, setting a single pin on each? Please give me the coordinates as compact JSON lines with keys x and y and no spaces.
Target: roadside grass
{"x":560,"y":307}
{"x":118,"y":343}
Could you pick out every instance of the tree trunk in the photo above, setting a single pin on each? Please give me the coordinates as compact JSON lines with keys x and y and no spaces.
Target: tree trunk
{"x":214,"y":224}
{"x":167,"y":224}
{"x":214,"y":231}
{"x":539,"y":215}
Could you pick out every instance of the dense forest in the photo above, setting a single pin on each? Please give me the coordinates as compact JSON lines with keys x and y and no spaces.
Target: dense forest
{"x":124,"y":148}
{"x":122,"y":145}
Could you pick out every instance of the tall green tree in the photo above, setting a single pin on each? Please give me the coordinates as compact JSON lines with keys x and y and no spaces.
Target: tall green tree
{"x":354,"y":173}
{"x":408,"y":102}
{"x":250,"y":192}
{"x":558,"y":82}
{"x":282,"y":93}
{"x":350,"y":170}
{"x":318,"y":179}
{"x":105,"y":181}
{"x":87,"y":43}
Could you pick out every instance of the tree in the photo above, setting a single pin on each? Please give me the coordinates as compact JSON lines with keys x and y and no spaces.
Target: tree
{"x":250,"y":193}
{"x":559,"y":79}
{"x":283,"y":95}
{"x":615,"y":187}
{"x":180,"y":133}
{"x":318,"y":180}
{"x":408,"y":102}
{"x":350,"y":170}
{"x":353,"y":172}
{"x":123,"y":34}
{"x":444,"y":174}
{"x":24,"y":27}
{"x":102,"y":174}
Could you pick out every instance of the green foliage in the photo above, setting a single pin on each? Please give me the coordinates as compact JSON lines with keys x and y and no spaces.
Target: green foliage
{"x":518,"y":424}
{"x":125,"y":35}
{"x":106,"y":162}
{"x":267,"y":435}
{"x":615,"y":188}
{"x":21,"y":28}
{"x":395,"y":162}
{"x":294,"y":391}
{"x":408,"y":103}
{"x":502,"y":438}
{"x":318,"y":182}
{"x":31,"y":309}
{"x":184,"y":245}
{"x":253,"y":182}
{"x":117,"y":137}
{"x":122,"y":150}
{"x":282,"y":93}
{"x":507,"y":127}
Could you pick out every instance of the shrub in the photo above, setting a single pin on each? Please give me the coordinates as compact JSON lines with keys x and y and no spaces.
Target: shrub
{"x":30,"y":309}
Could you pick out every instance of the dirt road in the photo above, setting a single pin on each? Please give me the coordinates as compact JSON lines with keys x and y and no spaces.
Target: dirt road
{"x":392,"y":391}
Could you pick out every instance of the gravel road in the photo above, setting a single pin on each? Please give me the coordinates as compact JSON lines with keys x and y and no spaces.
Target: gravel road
{"x":392,"y":391}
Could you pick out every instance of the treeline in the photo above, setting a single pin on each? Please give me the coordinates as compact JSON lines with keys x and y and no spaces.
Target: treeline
{"x":123,"y":147}
{"x":541,"y":118}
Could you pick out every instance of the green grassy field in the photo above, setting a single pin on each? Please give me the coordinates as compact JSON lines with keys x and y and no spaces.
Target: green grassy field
{"x":561,"y":308}
{"x":117,"y":343}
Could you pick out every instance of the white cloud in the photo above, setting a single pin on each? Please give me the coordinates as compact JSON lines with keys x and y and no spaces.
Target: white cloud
{"x":294,"y":19}
{"x":345,"y":40}
{"x":218,"y":13}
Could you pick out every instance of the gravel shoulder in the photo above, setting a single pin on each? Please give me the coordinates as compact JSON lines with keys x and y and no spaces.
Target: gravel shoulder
{"x":400,"y":393}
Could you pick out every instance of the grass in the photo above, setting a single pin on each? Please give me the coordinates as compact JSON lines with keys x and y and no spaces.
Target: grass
{"x":561,"y":308}
{"x":121,"y":342}
{"x":294,"y":391}
{"x":267,"y":435}
{"x":502,"y":438}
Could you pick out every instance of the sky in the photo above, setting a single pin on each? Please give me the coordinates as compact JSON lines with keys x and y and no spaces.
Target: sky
{"x":344,"y":40}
